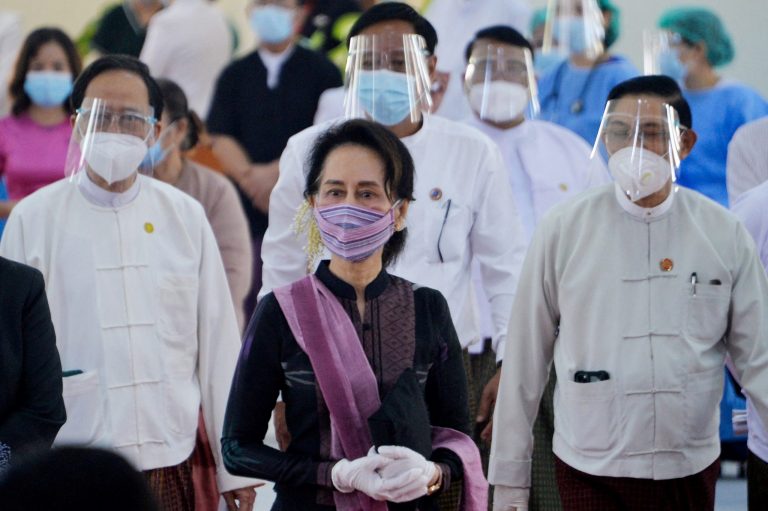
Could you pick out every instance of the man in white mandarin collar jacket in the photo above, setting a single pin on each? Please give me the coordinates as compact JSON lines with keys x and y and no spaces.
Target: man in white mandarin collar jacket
{"x":139,"y":299}
{"x":637,"y":302}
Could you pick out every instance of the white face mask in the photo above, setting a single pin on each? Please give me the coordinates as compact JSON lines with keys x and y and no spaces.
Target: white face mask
{"x":114,"y":156}
{"x":498,"y":101}
{"x":639,"y":172}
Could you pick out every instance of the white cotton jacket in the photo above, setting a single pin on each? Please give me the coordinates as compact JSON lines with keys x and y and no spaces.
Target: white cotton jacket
{"x":140,"y":303}
{"x":594,"y":294}
{"x":464,"y":209}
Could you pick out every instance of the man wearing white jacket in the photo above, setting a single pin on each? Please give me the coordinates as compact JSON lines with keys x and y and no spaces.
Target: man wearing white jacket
{"x":145,"y":324}
{"x":637,"y":291}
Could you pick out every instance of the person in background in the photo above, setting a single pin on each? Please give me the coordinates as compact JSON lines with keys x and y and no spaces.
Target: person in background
{"x":214,"y":191}
{"x":395,"y":334}
{"x":225,"y":214}
{"x":751,"y":210}
{"x":636,"y":291}
{"x":31,"y":407}
{"x":720,"y":106}
{"x":176,"y":49}
{"x":121,"y":29}
{"x":76,"y":478}
{"x":573,"y":93}
{"x":35,"y":137}
{"x":461,"y":185}
{"x":456,"y":21}
{"x":144,"y":321}
{"x":747,"y":164}
{"x":264,"y":98}
{"x":546,"y":164}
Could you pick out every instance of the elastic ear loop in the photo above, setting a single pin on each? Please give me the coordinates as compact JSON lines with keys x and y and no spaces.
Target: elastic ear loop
{"x":304,"y":222}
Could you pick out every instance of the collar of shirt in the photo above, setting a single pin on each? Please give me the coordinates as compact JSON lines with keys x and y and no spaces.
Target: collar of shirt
{"x":343,"y":290}
{"x":104,"y":198}
{"x":641,"y":213}
{"x":273,"y":62}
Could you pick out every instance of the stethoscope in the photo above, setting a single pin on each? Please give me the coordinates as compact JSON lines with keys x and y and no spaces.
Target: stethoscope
{"x":577,"y":107}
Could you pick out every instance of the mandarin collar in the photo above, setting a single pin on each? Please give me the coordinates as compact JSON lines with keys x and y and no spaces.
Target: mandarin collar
{"x":343,"y":290}
{"x":104,"y":198}
{"x":641,"y":213}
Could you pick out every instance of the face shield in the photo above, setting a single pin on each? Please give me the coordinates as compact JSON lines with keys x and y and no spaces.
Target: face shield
{"x":661,"y":54}
{"x":574,"y":27}
{"x":159,"y":150}
{"x":110,"y":142}
{"x":641,"y":138}
{"x":387,"y":78}
{"x":500,"y":83}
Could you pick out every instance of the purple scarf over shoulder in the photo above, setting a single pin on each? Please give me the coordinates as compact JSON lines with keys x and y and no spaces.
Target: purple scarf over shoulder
{"x":326,"y":334}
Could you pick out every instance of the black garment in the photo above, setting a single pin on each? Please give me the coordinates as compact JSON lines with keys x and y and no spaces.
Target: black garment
{"x":263,"y":119}
{"x":271,"y":361}
{"x":119,"y":32}
{"x":757,"y":483}
{"x":31,"y":406}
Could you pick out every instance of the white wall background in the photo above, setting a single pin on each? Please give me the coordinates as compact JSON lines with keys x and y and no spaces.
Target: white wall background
{"x":746,"y":20}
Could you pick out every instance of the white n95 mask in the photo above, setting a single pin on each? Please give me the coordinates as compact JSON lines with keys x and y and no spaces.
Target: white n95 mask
{"x":498,"y":101}
{"x":114,"y":156}
{"x":639,"y":172}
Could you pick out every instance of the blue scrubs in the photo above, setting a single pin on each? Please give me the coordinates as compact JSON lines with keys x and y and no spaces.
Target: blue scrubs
{"x":717,"y":114}
{"x":567,"y":87}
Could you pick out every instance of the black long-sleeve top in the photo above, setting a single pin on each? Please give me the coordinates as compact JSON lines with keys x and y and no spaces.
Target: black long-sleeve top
{"x":31,"y":405}
{"x":400,"y":319}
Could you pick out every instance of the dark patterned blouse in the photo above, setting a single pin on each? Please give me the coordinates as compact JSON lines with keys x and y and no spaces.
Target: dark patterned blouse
{"x":405,"y":326}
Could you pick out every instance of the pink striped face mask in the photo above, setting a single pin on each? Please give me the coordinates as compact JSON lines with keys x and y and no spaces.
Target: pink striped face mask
{"x":352,"y":232}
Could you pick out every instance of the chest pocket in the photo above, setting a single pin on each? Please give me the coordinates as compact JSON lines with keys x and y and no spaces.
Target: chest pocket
{"x":448,"y":223}
{"x":707,"y":311}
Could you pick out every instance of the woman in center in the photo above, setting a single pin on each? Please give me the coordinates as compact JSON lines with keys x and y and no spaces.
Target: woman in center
{"x":368,"y":364}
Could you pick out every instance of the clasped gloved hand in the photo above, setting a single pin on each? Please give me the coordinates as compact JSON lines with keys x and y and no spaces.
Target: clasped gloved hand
{"x":364,"y":474}
{"x":405,"y":460}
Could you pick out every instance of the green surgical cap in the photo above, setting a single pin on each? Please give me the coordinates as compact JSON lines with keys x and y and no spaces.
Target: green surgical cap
{"x":539,"y":18}
{"x":696,"y":24}
{"x":612,"y":32}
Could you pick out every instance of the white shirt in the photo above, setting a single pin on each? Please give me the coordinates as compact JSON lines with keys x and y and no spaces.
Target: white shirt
{"x":474,"y":211}
{"x":11,"y":37}
{"x":747,"y":164}
{"x":273,"y":62}
{"x":190,"y":43}
{"x":751,"y":209}
{"x":546,"y":164}
{"x":456,"y":22}
{"x":330,"y":106}
{"x":595,"y":274}
{"x":140,"y":303}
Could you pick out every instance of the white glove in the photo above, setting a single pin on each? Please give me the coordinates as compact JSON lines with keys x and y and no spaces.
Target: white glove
{"x":405,"y":460}
{"x":363,"y":474}
{"x":506,"y":498}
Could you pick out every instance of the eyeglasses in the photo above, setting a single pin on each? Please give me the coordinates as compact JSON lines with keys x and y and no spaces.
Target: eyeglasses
{"x":126,"y":122}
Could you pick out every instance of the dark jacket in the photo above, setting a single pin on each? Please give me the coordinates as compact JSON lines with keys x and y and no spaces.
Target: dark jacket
{"x":31,"y":405}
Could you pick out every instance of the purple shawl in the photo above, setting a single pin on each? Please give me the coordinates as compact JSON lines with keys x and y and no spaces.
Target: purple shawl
{"x":324,"y":331}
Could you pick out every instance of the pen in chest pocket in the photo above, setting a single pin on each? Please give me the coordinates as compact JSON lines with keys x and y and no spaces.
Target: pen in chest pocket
{"x":442,"y":228}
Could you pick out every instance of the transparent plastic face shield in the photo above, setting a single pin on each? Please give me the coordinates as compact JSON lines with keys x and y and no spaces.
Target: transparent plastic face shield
{"x":164,"y":144}
{"x":661,"y":50}
{"x":641,"y":139}
{"x":500,"y":83}
{"x":387,"y":78}
{"x":110,"y":141}
{"x":574,"y":27}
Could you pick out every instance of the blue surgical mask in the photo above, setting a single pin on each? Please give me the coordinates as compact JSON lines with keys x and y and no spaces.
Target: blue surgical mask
{"x":272,"y":23}
{"x":545,"y":63}
{"x":48,"y":88}
{"x":671,"y":65}
{"x":154,"y":157}
{"x":384,"y":95}
{"x":571,"y":30}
